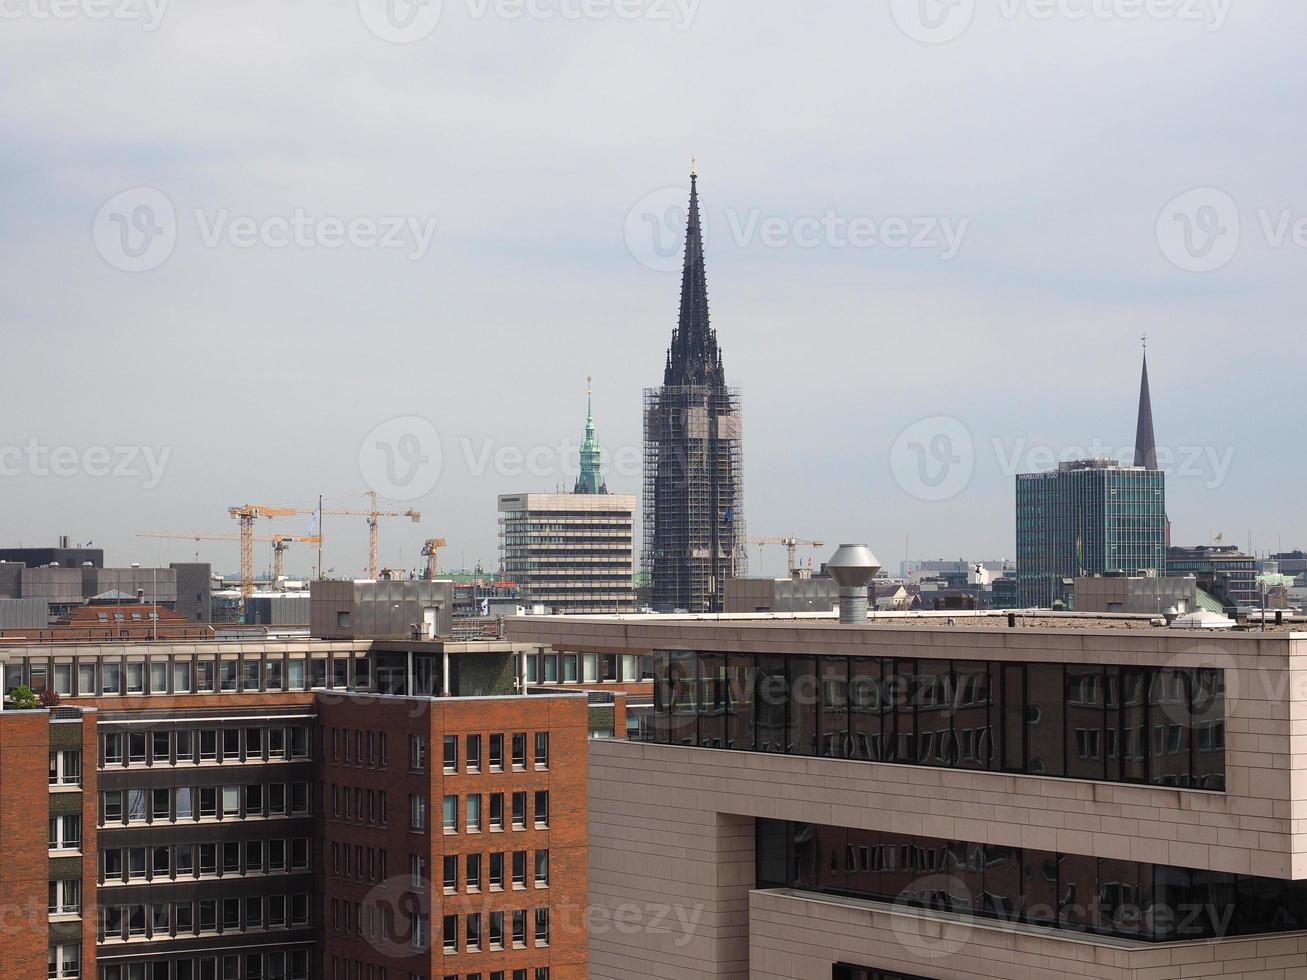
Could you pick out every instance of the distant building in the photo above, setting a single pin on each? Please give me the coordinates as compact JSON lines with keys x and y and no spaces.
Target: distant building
{"x":368,"y":610}
{"x":1089,"y":517}
{"x":570,"y":552}
{"x":1223,"y":570}
{"x":693,"y":467}
{"x":1137,"y":594}
{"x":1092,"y":517}
{"x":782,"y":595}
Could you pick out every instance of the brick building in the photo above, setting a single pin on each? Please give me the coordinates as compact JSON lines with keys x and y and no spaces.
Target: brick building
{"x":202,"y":799}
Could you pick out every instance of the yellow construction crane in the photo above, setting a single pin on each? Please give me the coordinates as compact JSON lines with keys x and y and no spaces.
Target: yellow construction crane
{"x":247,"y":514}
{"x":431,"y":551}
{"x":791,"y":546}
{"x":280,"y":543}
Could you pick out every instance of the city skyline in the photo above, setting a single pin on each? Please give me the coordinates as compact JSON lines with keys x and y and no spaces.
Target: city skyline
{"x":1027,"y":335}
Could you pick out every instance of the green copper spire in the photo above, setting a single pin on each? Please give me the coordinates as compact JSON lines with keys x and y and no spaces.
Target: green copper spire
{"x":590,"y":480}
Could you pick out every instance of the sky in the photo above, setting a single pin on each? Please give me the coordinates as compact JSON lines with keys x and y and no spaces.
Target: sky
{"x":258,"y":252}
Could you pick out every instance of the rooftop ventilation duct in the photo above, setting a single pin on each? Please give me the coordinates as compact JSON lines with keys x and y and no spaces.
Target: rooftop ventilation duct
{"x":853,"y":566}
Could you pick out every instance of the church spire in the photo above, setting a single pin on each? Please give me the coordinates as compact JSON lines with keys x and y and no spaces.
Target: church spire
{"x":1145,"y":439}
{"x":694,"y":357}
{"x":590,"y":480}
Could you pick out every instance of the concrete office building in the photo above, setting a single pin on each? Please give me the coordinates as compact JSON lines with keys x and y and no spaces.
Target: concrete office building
{"x":781,"y":595}
{"x":1066,"y":799}
{"x":570,"y":552}
{"x":1225,"y":571}
{"x":261,"y":810}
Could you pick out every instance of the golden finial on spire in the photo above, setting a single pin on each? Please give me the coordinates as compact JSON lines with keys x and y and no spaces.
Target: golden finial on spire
{"x":694,"y":167}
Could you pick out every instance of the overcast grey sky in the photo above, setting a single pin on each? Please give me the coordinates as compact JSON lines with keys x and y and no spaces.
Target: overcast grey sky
{"x":244,"y":238}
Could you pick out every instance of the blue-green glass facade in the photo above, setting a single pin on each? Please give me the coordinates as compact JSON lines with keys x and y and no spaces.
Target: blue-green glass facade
{"x":1087,"y":518}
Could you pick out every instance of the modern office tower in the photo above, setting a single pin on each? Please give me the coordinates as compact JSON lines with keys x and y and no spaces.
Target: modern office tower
{"x":1225,"y":571}
{"x":693,"y":464}
{"x":1089,"y":517}
{"x":261,"y":810}
{"x":1077,"y":798}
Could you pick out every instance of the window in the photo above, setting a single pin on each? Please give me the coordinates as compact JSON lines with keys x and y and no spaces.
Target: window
{"x":295,"y":675}
{"x":205,"y":675}
{"x":111,"y":804}
{"x":473,"y":807}
{"x":158,"y":677}
{"x":519,"y":869}
{"x":473,"y":872}
{"x":208,"y":745}
{"x":231,"y":801}
{"x":66,"y":768}
{"x":299,"y":743}
{"x":65,"y":962}
{"x":450,"y":883}
{"x":185,"y":804}
{"x":542,"y":926}
{"x":519,"y":750}
{"x":496,"y":871}
{"x":496,"y":930}
{"x":542,"y":750}
{"x":451,"y":933}
{"x":542,"y":868}
{"x":474,"y":752}
{"x":496,"y":751}
{"x":519,"y":927}
{"x":417,"y":813}
{"x":86,"y":680}
{"x":66,"y":833}
{"x":135,"y":863}
{"x":160,"y":804}
{"x":231,"y":745}
{"x":417,"y":871}
{"x":542,"y":808}
{"x":181,"y":677}
{"x":569,"y":668}
{"x":135,"y":677}
{"x":519,"y":811}
{"x":111,"y":677}
{"x":136,"y":747}
{"x":417,"y":753}
{"x":496,"y":811}
{"x":113,"y":749}
{"x":451,"y":814}
{"x":135,"y":805}
{"x":451,"y":753}
{"x":65,"y":896}
{"x":185,"y":745}
{"x":208,"y":801}
{"x":473,"y":928}
{"x":227,"y":675}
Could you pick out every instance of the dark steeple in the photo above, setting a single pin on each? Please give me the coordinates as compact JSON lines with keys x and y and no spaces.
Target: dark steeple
{"x":694,"y":357}
{"x":1145,"y":440}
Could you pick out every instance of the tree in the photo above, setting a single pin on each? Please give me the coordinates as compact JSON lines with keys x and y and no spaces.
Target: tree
{"x":24,"y":697}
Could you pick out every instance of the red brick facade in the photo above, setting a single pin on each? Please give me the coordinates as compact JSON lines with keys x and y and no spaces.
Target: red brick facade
{"x":379,"y":905}
{"x":24,"y":852}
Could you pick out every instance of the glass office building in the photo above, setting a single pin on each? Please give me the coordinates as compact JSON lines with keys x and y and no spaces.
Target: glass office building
{"x":1091,"y":517}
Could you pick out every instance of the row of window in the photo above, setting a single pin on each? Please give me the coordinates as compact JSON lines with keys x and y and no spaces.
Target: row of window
{"x":227,"y":802}
{"x":471,"y":866}
{"x":210,"y":915}
{"x":847,"y":971}
{"x":229,"y":858}
{"x":486,"y":930}
{"x":279,"y":965}
{"x":186,"y":746}
{"x":472,"y":752}
{"x":470,"y":812}
{"x":366,"y":863}
{"x":1152,"y":725}
{"x":115,"y":676}
{"x":361,"y":748}
{"x":359,"y":805}
{"x":1127,"y":899}
{"x":583,"y":668}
